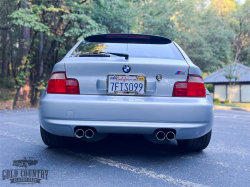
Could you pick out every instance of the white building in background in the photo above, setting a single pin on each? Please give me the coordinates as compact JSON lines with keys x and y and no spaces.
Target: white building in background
{"x":240,"y":90}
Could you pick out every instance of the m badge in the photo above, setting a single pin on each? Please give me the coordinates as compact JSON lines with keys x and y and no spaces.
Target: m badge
{"x":180,"y":73}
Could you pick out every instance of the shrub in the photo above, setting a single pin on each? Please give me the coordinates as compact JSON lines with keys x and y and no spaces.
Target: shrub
{"x":216,"y":101}
{"x":209,"y":87}
{"x":226,"y":101}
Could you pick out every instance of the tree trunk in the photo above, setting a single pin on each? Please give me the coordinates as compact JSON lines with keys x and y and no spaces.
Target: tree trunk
{"x":26,"y":47}
{"x":40,"y":68}
{"x":13,"y":73}
{"x":56,"y":56}
{"x":35,"y":101}
{"x":39,"y":71}
{"x":237,"y":53}
{"x":16,"y":98}
{"x":8,"y":68}
{"x":230,"y":86}
{"x":48,"y":58}
{"x":4,"y":61}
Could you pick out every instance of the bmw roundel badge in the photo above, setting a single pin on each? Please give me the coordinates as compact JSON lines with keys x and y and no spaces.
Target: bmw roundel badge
{"x":126,"y":68}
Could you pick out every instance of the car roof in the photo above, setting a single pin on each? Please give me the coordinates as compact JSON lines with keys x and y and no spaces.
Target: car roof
{"x":128,"y":38}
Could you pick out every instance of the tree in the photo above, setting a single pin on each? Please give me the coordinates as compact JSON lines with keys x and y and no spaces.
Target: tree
{"x":159,"y":18}
{"x":55,"y":25}
{"x":241,"y":27}
{"x":196,"y":27}
{"x":206,"y":39}
{"x":4,"y":29}
{"x":223,"y":6}
{"x":36,"y":34}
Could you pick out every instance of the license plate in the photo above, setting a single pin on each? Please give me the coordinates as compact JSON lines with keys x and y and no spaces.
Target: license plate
{"x":126,"y":84}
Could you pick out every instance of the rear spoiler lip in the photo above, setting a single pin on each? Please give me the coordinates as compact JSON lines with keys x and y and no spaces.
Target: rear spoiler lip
{"x":128,"y":38}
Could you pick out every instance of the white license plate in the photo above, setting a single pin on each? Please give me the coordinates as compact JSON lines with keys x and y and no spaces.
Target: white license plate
{"x":126,"y":84}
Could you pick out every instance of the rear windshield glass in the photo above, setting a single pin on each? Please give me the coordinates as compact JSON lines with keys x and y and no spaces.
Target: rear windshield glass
{"x":167,"y":51}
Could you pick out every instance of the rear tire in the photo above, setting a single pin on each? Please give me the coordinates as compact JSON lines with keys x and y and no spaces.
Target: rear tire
{"x":196,"y":144}
{"x":55,"y":141}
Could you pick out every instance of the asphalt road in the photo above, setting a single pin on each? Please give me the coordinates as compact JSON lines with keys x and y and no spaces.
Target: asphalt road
{"x":130,"y":160}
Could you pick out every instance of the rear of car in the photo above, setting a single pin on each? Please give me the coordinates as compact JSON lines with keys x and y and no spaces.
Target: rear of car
{"x":135,"y":84}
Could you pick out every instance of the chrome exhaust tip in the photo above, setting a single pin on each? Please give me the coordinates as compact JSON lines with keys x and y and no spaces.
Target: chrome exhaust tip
{"x":160,"y":135}
{"x":89,"y":133}
{"x":79,"y":133}
{"x":170,"y":136}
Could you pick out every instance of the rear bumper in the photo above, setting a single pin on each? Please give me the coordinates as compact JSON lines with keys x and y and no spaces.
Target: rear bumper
{"x":190,"y":117}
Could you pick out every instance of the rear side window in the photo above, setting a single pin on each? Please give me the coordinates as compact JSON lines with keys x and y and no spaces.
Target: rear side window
{"x":165,"y":51}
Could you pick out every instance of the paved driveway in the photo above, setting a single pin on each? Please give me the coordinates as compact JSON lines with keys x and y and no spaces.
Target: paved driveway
{"x":129,"y":160}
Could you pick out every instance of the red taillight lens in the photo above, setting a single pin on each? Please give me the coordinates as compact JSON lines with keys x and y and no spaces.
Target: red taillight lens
{"x":180,"y":89}
{"x":59,"y":84}
{"x":194,"y":87}
{"x":72,"y":86}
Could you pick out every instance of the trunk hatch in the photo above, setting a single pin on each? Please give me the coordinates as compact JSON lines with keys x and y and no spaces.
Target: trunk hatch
{"x":91,"y":72}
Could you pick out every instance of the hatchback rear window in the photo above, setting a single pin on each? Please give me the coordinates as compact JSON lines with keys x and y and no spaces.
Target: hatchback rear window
{"x":165,"y":51}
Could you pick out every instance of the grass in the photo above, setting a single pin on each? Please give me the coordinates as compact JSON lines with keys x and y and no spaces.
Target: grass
{"x":243,"y":105}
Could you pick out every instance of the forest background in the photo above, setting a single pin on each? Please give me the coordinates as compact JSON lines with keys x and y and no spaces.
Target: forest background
{"x":36,"y":34}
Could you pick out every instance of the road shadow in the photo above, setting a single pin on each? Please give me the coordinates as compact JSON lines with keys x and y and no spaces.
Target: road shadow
{"x":128,"y":146}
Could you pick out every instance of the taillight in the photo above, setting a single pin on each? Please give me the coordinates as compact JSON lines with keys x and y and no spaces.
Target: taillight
{"x":59,"y":84}
{"x":193,"y":87}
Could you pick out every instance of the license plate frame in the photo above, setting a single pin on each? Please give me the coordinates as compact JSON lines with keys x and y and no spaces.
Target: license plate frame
{"x":128,"y":92}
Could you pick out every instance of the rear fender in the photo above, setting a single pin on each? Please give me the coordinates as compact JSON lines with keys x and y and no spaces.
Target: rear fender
{"x":193,"y":69}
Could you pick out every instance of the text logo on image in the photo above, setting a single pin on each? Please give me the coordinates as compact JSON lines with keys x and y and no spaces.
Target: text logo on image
{"x":25,"y":176}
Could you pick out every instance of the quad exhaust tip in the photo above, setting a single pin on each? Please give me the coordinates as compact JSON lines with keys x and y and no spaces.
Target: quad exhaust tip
{"x":89,"y":133}
{"x":79,"y":133}
{"x":170,"y":136}
{"x":160,"y":135}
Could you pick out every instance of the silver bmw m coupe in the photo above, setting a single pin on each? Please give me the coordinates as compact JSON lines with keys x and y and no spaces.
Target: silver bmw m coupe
{"x":126,"y":83}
